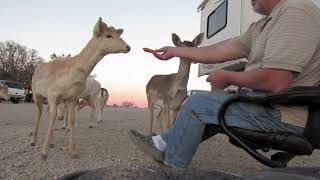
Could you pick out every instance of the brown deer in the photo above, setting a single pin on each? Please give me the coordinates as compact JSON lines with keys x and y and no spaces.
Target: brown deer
{"x":169,"y":91}
{"x":64,"y":80}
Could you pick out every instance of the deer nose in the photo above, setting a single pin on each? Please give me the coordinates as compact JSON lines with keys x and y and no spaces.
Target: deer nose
{"x":128,"y":48}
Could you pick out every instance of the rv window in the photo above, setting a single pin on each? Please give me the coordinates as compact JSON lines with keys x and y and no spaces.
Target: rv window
{"x":217,"y":20}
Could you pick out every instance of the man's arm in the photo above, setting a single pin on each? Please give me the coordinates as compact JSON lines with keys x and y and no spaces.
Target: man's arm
{"x":217,"y":53}
{"x":265,"y":79}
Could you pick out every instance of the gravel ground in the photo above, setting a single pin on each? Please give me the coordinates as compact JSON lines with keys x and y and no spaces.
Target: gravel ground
{"x":105,"y":145}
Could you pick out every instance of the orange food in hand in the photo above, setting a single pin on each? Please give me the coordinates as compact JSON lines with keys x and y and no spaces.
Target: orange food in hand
{"x":149,"y":50}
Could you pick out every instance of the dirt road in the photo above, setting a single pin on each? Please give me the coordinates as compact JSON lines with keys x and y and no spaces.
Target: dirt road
{"x":105,"y":145}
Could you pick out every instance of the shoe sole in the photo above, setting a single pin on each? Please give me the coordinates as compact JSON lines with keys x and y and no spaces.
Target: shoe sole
{"x":146,"y":149}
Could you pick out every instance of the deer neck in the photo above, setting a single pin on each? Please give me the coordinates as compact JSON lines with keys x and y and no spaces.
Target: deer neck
{"x":87,"y":59}
{"x":182,"y":76}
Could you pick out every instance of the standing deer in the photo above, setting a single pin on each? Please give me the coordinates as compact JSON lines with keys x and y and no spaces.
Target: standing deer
{"x":96,"y":101}
{"x":64,"y":80}
{"x":99,"y":102}
{"x":90,"y":94}
{"x":169,"y":91}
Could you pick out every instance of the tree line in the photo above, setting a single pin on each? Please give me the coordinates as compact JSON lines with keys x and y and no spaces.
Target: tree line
{"x":17,"y":62}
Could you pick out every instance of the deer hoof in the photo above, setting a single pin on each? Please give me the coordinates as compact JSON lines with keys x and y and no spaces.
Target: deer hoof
{"x":32,"y":143}
{"x":44,"y":157}
{"x":73,"y":156}
{"x":51,"y":145}
{"x":90,"y":126}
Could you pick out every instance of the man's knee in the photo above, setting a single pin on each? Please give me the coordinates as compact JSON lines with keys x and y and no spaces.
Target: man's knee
{"x":205,"y":101}
{"x":191,"y":102}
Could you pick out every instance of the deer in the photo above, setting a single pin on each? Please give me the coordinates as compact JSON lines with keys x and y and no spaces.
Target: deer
{"x":4,"y":92}
{"x":90,"y":93}
{"x":99,"y":102}
{"x":168,"y":92}
{"x":96,"y":101}
{"x":65,"y":80}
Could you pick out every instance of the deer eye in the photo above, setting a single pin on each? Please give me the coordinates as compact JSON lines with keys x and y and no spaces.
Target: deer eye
{"x":109,"y":36}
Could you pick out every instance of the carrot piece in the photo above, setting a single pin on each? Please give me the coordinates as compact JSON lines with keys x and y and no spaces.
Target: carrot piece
{"x":149,"y":50}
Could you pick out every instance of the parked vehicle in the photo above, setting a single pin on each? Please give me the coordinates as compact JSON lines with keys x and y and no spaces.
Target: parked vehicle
{"x":15,"y":90}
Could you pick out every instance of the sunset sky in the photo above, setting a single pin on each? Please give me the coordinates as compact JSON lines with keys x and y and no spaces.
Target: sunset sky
{"x":59,"y":26}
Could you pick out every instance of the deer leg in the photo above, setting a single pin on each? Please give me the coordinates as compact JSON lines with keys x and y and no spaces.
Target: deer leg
{"x":160,"y":117}
{"x":52,"y":102}
{"x":173,"y":117}
{"x":39,"y":105}
{"x":151,"y":109}
{"x":67,"y":124}
{"x":92,"y":116}
{"x":51,"y":145}
{"x":100,"y":111}
{"x":167,"y":118}
{"x":71,"y":120}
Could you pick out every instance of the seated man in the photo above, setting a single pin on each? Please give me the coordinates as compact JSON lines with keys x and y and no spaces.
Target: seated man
{"x":283,"y":50}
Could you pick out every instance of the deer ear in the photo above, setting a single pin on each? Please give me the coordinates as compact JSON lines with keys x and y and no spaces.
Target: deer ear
{"x":98,"y":28}
{"x":198,"y":40}
{"x":119,"y":31}
{"x":176,"y":40}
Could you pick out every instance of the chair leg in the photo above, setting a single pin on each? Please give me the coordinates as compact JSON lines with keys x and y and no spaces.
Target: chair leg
{"x":282,"y":157}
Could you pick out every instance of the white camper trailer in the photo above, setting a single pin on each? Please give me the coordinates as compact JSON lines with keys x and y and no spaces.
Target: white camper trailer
{"x":224,"y":19}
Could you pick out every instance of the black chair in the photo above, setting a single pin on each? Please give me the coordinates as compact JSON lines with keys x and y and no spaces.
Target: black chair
{"x":288,"y":144}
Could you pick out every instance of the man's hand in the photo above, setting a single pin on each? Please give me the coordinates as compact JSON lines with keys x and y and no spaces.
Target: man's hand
{"x":164,"y":53}
{"x":219,"y":78}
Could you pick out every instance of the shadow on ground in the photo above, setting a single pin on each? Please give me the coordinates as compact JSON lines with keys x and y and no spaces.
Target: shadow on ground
{"x":305,"y":173}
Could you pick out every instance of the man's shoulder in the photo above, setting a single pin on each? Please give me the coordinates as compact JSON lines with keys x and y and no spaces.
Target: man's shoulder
{"x":306,"y":5}
{"x":305,"y":8}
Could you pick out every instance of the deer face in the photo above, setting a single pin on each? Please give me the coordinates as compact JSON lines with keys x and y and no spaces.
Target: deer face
{"x":195,"y":43}
{"x":4,"y":92}
{"x":108,"y":39}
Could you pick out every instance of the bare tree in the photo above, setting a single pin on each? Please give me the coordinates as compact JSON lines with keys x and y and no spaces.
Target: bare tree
{"x":17,"y":62}
{"x":128,"y":104}
{"x":54,"y":56}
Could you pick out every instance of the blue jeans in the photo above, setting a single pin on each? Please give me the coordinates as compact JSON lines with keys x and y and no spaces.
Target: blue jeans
{"x":184,"y":137}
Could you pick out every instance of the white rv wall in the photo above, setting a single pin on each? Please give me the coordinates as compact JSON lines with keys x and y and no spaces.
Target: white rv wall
{"x":233,"y":24}
{"x":231,"y":30}
{"x":240,"y":16}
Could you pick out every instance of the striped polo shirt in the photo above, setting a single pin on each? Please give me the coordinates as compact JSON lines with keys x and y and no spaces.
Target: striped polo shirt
{"x":288,"y":39}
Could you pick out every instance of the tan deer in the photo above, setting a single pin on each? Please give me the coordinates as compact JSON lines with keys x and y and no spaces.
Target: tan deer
{"x":96,"y":102}
{"x":90,"y":93}
{"x":64,"y":80}
{"x":169,"y":91}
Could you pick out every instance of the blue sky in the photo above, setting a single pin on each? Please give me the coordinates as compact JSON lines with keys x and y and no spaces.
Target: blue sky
{"x":65,"y":26}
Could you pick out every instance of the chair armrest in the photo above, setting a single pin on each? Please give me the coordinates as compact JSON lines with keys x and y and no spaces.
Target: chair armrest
{"x":300,"y":95}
